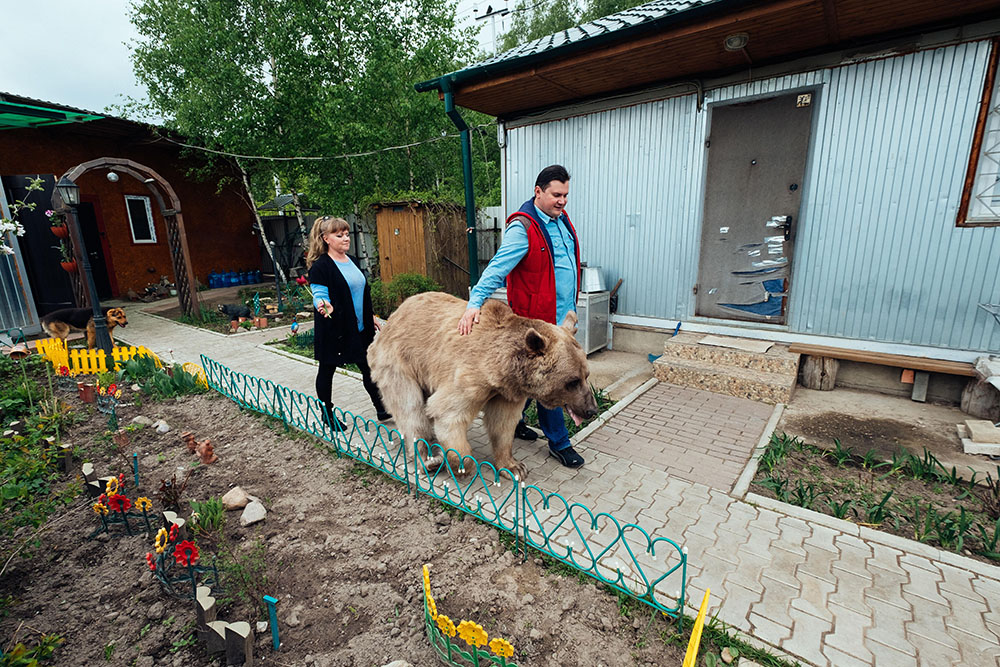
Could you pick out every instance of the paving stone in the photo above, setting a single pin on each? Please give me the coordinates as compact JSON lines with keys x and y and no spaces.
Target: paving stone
{"x":736,"y":603}
{"x":822,"y":538}
{"x":841,"y":659}
{"x":958,"y":582}
{"x":766,"y":629}
{"x":887,"y":587}
{"x":924,"y":584}
{"x":850,"y":591}
{"x":819,"y":563}
{"x":812,"y":598}
{"x":887,"y":656}
{"x":775,"y":602}
{"x":806,"y":639}
{"x":931,"y":652}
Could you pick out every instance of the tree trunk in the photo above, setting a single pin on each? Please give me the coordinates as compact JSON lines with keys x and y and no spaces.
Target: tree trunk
{"x":819,"y":372}
{"x":302,"y":221}
{"x":260,"y":223}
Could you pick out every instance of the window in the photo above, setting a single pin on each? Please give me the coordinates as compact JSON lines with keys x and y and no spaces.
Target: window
{"x":980,"y":203}
{"x":140,"y":219}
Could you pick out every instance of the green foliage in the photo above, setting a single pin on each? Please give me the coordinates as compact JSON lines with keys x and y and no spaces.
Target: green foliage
{"x":211,"y":515}
{"x":840,"y":454}
{"x":244,"y":575}
{"x":776,"y":451}
{"x":206,"y":316}
{"x":158,"y":382}
{"x":990,"y":496}
{"x":31,"y":656}
{"x":387,"y":297}
{"x":533,"y":20}
{"x":841,"y":509}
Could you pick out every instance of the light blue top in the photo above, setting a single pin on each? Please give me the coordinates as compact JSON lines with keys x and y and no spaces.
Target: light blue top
{"x":513,"y":249}
{"x":355,"y":280}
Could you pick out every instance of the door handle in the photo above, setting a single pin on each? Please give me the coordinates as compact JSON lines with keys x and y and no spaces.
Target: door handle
{"x":788,"y":227}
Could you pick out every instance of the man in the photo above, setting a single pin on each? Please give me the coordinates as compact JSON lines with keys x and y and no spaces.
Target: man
{"x":540,"y":260}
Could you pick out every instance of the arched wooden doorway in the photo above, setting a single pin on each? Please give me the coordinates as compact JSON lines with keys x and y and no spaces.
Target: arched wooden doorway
{"x":170,"y":208}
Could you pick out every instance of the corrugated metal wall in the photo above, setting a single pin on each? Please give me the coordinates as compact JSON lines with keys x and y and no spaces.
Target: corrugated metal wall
{"x":877,"y":255}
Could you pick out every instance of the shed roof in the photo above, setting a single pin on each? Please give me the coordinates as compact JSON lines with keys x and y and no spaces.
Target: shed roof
{"x":28,"y":112}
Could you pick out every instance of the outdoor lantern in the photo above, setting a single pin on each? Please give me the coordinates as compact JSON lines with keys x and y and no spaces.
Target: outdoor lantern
{"x":113,"y":177}
{"x":68,"y":191}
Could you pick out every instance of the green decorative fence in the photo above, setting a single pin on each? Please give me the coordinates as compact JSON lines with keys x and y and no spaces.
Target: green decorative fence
{"x":624,"y":556}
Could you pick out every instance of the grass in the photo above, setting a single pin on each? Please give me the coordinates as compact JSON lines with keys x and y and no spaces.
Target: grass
{"x":604,"y":403}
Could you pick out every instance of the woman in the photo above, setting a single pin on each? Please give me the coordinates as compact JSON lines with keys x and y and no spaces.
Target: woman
{"x":345,"y":324}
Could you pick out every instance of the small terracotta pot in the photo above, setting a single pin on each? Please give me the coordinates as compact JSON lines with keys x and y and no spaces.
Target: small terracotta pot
{"x":61,"y":231}
{"x":85,"y":390}
{"x":69,"y":267}
{"x":260,"y":322}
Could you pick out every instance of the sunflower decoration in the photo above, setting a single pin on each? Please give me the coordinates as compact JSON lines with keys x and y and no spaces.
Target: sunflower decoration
{"x":161,"y":541}
{"x":432,"y":607}
{"x":100,"y":508}
{"x":112,"y":488}
{"x":143,"y":504}
{"x":472,"y":633}
{"x":501,"y":647}
{"x":446,"y":625}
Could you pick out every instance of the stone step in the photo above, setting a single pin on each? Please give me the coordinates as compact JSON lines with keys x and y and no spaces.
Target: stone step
{"x":776,"y":360}
{"x":730,"y":380}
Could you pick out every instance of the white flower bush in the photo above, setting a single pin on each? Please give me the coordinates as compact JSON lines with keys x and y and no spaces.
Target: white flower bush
{"x":12,"y":225}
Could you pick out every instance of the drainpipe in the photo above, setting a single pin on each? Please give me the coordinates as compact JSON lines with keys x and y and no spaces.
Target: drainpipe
{"x":470,"y":200}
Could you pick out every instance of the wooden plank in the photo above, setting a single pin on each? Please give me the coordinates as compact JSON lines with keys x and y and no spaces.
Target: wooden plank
{"x":884,"y":359}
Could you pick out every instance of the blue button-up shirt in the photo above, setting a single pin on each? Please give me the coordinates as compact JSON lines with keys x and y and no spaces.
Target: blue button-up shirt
{"x":513,"y":249}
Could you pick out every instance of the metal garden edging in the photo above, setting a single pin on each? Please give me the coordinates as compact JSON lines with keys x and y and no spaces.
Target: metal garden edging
{"x":624,"y":556}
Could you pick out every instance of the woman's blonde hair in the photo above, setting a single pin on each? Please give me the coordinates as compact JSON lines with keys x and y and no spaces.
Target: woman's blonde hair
{"x":325,"y":224}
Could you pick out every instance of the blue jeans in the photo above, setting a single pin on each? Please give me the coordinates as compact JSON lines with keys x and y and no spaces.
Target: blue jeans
{"x":553,"y":426}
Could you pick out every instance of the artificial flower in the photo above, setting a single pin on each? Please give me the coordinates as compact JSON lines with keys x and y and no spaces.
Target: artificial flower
{"x":432,"y":607}
{"x":112,"y":487}
{"x":161,"y":541}
{"x":502,"y":647}
{"x":151,"y":561}
{"x":102,"y":498}
{"x":186,"y":553}
{"x":173,"y":532}
{"x":100,"y":508}
{"x":112,"y":388}
{"x":446,"y":625}
{"x":118,"y":394}
{"x":119,"y":503}
{"x":100,"y":390}
{"x":64,"y":371}
{"x":472,"y":633}
{"x":142,"y":503}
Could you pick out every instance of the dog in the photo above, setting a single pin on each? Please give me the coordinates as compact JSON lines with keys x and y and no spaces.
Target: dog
{"x":58,"y":324}
{"x":234,"y":311}
{"x":435,"y":382}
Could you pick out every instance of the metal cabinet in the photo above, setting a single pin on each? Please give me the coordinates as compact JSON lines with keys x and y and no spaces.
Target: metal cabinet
{"x":593,"y":312}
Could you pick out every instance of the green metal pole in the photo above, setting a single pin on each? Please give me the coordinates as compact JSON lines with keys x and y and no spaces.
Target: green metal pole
{"x":470,"y":200}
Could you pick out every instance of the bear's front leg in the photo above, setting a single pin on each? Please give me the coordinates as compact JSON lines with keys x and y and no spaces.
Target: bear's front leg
{"x":452,"y":414}
{"x":500,"y":417}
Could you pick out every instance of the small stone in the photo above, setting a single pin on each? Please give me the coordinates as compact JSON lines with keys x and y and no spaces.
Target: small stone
{"x":261,"y":627}
{"x":527,"y":599}
{"x":144,"y":661}
{"x":292,"y":620}
{"x":535,"y":633}
{"x":397,"y":663}
{"x":253,"y":513}
{"x":144,"y":421}
{"x":135,"y":387}
{"x":442,"y":518}
{"x":155,"y":612}
{"x":727,"y":657}
{"x":235,"y":499}
{"x":162,"y":427}
{"x":568,"y":604}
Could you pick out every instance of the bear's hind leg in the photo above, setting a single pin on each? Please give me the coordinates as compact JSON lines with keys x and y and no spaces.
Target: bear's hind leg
{"x":500,"y":417}
{"x":405,"y":400}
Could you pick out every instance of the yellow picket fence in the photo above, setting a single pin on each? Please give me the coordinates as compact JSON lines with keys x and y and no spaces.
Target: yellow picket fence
{"x":80,"y":361}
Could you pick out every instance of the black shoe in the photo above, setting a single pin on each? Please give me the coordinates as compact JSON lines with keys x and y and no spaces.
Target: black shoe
{"x":568,"y":457}
{"x":522,"y":432}
{"x":384,"y":416}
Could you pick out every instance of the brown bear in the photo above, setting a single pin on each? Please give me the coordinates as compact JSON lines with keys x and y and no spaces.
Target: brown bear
{"x":436,"y":382}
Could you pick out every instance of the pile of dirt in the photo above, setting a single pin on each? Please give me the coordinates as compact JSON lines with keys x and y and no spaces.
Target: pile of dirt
{"x":341,"y":548}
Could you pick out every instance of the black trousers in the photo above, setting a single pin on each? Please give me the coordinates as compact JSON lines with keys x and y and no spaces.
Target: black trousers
{"x":324,"y":385}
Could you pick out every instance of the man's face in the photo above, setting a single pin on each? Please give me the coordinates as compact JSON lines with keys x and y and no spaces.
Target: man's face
{"x":552,"y":200}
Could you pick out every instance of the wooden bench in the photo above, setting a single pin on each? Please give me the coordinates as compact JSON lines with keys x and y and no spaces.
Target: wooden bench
{"x":818,"y":373}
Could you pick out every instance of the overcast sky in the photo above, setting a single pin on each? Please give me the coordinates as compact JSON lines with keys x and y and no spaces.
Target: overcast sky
{"x":74,"y":52}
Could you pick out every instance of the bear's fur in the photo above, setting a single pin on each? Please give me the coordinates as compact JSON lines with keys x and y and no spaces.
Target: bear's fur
{"x":435,"y":381}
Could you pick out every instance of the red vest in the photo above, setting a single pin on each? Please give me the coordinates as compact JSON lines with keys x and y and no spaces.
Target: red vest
{"x":531,"y":285}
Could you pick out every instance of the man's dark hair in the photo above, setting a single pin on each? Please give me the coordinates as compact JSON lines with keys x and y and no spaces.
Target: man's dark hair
{"x":555,"y":172}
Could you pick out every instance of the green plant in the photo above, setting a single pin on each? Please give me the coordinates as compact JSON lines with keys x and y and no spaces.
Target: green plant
{"x":840,"y":454}
{"x":244,"y":575}
{"x":951,"y":529}
{"x":171,"y":491}
{"x":922,"y":518}
{"x":989,"y":542}
{"x":872,"y":461}
{"x":805,"y":495}
{"x":246,"y":324}
{"x":775,"y":451}
{"x":109,"y":651}
{"x":879,"y":512}
{"x":24,"y":656}
{"x":778,"y":485}
{"x":211,"y":515}
{"x":840,"y":510}
{"x":990,"y":496}
{"x":188,"y":638}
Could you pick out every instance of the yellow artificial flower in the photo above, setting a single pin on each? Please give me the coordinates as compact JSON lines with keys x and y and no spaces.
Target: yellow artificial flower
{"x":446,"y":625}
{"x":432,"y":607}
{"x":427,"y":577}
{"x":472,"y":633}
{"x":502,"y":648}
{"x":162,"y":539}
{"x":143,"y":503}
{"x":100,"y":508}
{"x":112,"y":487}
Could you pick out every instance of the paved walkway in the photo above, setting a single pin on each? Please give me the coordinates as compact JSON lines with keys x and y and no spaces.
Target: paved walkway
{"x":826,"y":592}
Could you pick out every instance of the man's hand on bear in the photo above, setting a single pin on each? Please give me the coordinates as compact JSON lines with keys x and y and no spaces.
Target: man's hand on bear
{"x":470,"y":317}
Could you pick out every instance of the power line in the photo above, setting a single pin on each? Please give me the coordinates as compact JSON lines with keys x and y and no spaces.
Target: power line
{"x":320,"y":157}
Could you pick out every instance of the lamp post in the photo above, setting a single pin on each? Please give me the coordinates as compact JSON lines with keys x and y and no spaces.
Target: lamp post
{"x":70,"y":194}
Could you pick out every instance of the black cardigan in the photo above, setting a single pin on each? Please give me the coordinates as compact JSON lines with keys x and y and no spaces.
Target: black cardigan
{"x":338,"y":340}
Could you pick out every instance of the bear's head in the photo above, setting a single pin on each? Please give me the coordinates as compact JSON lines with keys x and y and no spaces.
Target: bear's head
{"x":560,"y":370}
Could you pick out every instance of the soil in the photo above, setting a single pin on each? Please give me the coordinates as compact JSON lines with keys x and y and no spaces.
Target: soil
{"x":808,"y":471}
{"x":341,"y":548}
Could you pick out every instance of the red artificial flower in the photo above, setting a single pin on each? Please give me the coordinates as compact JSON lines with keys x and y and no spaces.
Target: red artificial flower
{"x":112,"y":388}
{"x":186,"y":553}
{"x":173,"y":532}
{"x":302,"y":280}
{"x":64,"y":371}
{"x":151,"y":561}
{"x":119,"y":503}
{"x":103,"y":499}
{"x":121,"y":478}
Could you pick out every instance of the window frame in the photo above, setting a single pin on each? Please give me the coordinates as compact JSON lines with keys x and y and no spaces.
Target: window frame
{"x":982,"y":118}
{"x":149,"y":213}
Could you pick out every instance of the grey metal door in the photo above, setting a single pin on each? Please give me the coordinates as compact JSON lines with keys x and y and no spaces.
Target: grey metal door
{"x":756,"y":160}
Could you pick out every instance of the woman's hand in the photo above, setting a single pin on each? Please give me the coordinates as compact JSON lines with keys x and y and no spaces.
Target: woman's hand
{"x":325,"y":308}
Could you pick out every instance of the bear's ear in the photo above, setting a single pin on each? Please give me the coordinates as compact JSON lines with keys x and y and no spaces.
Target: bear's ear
{"x":570,"y":322}
{"x":534,"y":342}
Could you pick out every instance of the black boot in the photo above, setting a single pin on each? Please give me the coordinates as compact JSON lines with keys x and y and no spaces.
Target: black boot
{"x":330,"y":420}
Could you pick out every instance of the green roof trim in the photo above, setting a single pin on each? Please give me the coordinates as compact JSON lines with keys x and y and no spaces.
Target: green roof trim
{"x":18,"y":116}
{"x":652,"y":16}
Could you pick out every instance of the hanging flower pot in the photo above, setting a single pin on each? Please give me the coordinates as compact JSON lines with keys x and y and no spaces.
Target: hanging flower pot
{"x":69,"y":267}
{"x":61,"y":231}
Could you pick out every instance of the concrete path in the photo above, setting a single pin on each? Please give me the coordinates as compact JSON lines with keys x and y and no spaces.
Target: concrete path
{"x":826,"y":592}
